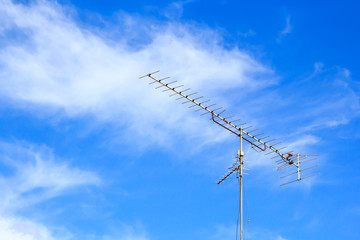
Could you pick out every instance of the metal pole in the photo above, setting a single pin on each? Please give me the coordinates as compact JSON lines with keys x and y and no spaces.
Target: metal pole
{"x":298,"y":166}
{"x":241,"y":183}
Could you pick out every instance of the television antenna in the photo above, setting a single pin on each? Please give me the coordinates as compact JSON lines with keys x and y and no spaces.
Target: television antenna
{"x":285,"y":159}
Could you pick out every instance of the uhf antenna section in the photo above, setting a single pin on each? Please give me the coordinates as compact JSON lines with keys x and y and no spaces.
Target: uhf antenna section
{"x":258,"y":141}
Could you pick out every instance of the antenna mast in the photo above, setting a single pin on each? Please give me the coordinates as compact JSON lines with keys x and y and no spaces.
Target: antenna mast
{"x":259,"y":144}
{"x":241,"y":157}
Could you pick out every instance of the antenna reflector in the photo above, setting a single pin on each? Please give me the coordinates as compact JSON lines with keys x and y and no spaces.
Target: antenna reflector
{"x":300,"y":179}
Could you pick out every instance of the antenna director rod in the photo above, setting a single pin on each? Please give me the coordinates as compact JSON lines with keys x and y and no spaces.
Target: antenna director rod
{"x":284,"y":157}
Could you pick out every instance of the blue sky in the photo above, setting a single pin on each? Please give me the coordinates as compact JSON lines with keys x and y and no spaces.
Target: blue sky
{"x":89,"y":151}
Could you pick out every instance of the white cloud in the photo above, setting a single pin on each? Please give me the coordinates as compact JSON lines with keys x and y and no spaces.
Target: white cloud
{"x":19,"y":228}
{"x":36,"y":176}
{"x":265,"y":235}
{"x":224,"y":232}
{"x":302,"y":142}
{"x":49,"y":62}
{"x":127,"y":232}
{"x":23,"y":229}
{"x":229,"y":232}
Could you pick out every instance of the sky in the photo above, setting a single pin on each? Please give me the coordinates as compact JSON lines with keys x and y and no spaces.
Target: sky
{"x":90,"y":151}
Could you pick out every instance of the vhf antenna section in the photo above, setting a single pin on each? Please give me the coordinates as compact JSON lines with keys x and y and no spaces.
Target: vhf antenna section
{"x":298,"y":160}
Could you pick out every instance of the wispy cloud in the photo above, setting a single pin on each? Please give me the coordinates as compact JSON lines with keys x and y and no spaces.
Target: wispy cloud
{"x":249,"y":33}
{"x":286,"y":30}
{"x":126,"y":232}
{"x":228,"y":232}
{"x":175,"y":9}
{"x":337,"y":104}
{"x":35,"y":176}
